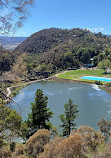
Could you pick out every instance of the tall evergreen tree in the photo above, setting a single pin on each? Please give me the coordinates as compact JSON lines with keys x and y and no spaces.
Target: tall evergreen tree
{"x":68,"y":119}
{"x":40,"y":115}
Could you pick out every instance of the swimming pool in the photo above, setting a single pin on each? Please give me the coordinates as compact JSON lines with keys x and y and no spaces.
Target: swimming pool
{"x":96,"y":78}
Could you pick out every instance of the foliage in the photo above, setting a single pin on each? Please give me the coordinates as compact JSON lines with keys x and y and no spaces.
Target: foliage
{"x":98,"y":82}
{"x":40,"y":115}
{"x":42,"y":67}
{"x":91,"y":138}
{"x":14,"y":15}
{"x":35,"y":144}
{"x":5,"y":153}
{"x":10,"y":122}
{"x":104,"y":64}
{"x":70,"y":147}
{"x":45,"y":40}
{"x":68,"y":119}
{"x":19,"y":151}
{"x":104,"y":126}
{"x":108,"y":84}
{"x":106,"y":153}
{"x":7,"y":59}
{"x":62,"y":48}
{"x":85,"y":54}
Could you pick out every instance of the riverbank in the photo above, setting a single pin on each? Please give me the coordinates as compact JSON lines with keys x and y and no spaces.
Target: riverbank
{"x":70,"y":80}
{"x":66,"y":76}
{"x":20,"y":86}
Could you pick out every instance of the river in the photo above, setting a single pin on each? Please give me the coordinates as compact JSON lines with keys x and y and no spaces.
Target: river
{"x":93,"y":103}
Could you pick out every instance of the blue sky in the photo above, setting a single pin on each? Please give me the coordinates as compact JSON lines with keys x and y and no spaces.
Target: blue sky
{"x":92,"y":14}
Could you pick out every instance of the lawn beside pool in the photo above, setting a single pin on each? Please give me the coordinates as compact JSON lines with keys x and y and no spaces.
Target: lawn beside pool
{"x":76,"y":74}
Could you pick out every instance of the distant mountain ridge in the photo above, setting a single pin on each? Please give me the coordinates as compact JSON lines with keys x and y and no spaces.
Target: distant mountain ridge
{"x":11,"y":42}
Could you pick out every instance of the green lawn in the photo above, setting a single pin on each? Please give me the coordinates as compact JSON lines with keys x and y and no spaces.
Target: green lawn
{"x":76,"y":74}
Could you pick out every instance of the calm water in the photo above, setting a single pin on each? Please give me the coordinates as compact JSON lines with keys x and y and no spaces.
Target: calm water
{"x":94,"y":103}
{"x":96,"y":78}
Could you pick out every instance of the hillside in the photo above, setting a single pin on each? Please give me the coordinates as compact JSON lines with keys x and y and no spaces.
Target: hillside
{"x":54,"y":50}
{"x":47,"y":39}
{"x":63,"y":48}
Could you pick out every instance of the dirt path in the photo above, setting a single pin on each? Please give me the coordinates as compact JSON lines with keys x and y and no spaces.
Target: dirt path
{"x":9,"y":89}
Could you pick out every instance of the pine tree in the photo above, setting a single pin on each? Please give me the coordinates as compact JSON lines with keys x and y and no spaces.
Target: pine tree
{"x":69,"y":117}
{"x":40,"y":115}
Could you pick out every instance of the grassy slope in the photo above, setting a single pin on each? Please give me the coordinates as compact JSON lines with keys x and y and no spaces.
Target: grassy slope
{"x":76,"y":74}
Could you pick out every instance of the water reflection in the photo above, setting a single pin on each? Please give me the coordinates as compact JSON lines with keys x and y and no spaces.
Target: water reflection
{"x":94,"y":103}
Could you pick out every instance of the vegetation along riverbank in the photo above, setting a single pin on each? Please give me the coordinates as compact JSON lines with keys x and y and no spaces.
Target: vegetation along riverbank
{"x":47,"y":52}
{"x":72,"y":76}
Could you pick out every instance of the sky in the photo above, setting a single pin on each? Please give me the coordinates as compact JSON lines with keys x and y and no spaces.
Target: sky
{"x":92,"y":14}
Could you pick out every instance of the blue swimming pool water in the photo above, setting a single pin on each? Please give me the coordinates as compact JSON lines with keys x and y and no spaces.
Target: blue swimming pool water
{"x":96,"y":78}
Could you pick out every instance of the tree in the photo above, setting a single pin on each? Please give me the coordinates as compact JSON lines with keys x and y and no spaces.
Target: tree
{"x":105,"y":126}
{"x":11,"y":125}
{"x":69,"y":117}
{"x":85,"y":54}
{"x":40,"y":115}
{"x":42,"y":67}
{"x":105,"y":64}
{"x":12,"y":14}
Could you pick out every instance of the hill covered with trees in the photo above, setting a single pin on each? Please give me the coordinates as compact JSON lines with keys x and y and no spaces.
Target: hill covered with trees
{"x":46,"y":39}
{"x":62,"y":48}
{"x":53,"y":50}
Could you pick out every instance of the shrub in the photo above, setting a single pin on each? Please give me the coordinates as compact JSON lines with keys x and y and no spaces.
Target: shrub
{"x":4,"y":153}
{"x":21,"y":156}
{"x":98,"y":82}
{"x":108,"y":84}
{"x":105,"y":126}
{"x":91,"y":138}
{"x":36,"y":142}
{"x":1,"y":143}
{"x":106,"y":153}
{"x":71,"y":147}
{"x":19,"y":151}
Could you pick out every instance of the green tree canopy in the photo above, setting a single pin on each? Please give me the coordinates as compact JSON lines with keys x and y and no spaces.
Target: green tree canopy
{"x":40,"y":115}
{"x":104,"y":64}
{"x":68,"y":118}
{"x":10,"y":122}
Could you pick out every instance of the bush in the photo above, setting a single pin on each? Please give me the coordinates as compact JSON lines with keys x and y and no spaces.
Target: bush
{"x":36,"y":142}
{"x":1,"y":143}
{"x":4,"y":153}
{"x":71,"y":147}
{"x":91,"y":138}
{"x":21,"y":156}
{"x":98,"y":82}
{"x":108,"y":84}
{"x":106,"y":153}
{"x":19,"y":151}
